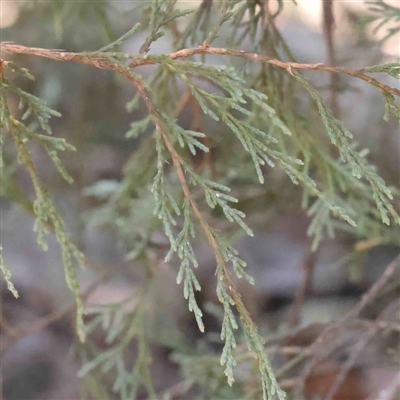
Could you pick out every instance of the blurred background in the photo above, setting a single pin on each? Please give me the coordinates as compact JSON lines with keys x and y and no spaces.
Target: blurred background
{"x":41,"y":365}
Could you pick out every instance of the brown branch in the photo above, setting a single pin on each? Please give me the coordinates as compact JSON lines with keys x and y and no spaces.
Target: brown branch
{"x":176,"y":160}
{"x":293,"y":362}
{"x":308,"y":267}
{"x":319,"y":348}
{"x":389,"y":272}
{"x":328,"y":27}
{"x":104,"y":61}
{"x":372,"y":329}
{"x":349,"y":364}
{"x":285,"y":65}
{"x":160,"y":125}
{"x":289,"y":384}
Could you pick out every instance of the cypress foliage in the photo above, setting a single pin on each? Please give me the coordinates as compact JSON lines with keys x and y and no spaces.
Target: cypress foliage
{"x":251,"y":98}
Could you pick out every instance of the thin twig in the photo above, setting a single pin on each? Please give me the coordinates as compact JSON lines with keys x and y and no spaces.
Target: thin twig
{"x":160,"y":125}
{"x":176,"y":159}
{"x":308,"y":267}
{"x":285,"y":65}
{"x":389,"y":272}
{"x":319,"y":348}
{"x":104,"y":61}
{"x":292,"y":363}
{"x":349,"y":364}
{"x":372,"y":330}
{"x":328,"y":26}
{"x":289,"y":384}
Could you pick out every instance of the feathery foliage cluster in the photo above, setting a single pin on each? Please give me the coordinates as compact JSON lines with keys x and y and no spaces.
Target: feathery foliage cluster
{"x":48,"y":219}
{"x":384,"y":15}
{"x":254,"y":104}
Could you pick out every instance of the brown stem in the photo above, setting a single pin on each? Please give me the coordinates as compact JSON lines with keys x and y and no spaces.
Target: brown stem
{"x":103,"y":61}
{"x":159,"y":123}
{"x":349,"y":364}
{"x":319,"y":348}
{"x":176,"y":160}
{"x":328,"y":26}
{"x":389,"y":273}
{"x":308,"y":267}
{"x":355,"y":352}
